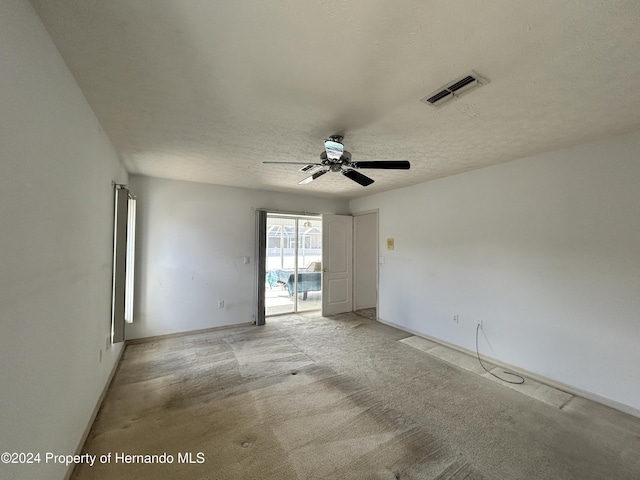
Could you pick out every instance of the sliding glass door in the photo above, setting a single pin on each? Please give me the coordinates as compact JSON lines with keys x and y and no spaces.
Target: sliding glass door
{"x":293,"y":264}
{"x":309,"y":263}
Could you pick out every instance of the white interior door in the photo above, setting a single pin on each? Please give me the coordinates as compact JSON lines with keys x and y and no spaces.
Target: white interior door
{"x":337,"y":264}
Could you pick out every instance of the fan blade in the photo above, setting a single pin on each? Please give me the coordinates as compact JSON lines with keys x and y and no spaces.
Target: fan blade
{"x":357,"y":177}
{"x":385,"y":164}
{"x":312,"y":177}
{"x":311,"y":168}
{"x":296,"y":163}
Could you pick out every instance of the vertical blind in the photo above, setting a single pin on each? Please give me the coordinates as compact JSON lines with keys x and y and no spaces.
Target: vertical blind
{"x":123,"y":262}
{"x":131,"y":256}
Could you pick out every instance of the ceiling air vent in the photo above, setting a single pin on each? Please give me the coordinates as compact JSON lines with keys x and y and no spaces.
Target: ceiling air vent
{"x":456,"y":88}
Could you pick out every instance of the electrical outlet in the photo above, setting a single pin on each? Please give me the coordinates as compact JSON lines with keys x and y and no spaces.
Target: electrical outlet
{"x":455,"y":319}
{"x":480,"y":324}
{"x":220,"y":303}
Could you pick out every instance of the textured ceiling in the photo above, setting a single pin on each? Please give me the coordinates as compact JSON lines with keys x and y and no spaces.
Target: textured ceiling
{"x":205,"y":90}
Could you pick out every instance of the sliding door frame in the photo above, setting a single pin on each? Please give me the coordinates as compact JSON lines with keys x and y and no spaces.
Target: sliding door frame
{"x":261,"y":265}
{"x":261,"y":257}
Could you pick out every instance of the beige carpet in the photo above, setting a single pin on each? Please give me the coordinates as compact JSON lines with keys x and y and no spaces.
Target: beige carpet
{"x":307,"y":397}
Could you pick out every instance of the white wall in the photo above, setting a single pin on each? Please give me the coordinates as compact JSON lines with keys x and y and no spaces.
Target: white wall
{"x":544,"y":250}
{"x":191,"y":239}
{"x":56,"y":236}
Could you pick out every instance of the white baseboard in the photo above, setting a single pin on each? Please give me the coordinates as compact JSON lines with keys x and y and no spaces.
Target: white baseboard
{"x":578,"y":392}
{"x":87,"y":430}
{"x":133,"y":341}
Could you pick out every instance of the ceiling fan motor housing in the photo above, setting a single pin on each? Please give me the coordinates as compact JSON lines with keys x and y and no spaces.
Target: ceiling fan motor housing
{"x":345,"y":159}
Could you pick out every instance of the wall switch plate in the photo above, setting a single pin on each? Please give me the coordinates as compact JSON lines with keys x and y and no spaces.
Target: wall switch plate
{"x":220,"y":303}
{"x":246,"y":260}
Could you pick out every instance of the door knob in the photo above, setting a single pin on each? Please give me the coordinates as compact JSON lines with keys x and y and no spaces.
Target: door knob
{"x":324,"y":270}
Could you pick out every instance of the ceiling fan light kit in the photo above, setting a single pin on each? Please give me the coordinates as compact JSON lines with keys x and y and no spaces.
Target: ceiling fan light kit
{"x":335,"y":158}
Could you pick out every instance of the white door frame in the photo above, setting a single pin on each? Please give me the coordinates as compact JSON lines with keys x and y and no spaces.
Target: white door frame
{"x":369,"y":250}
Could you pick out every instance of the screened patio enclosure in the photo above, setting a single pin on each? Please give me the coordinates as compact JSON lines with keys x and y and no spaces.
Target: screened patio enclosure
{"x":293,"y":264}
